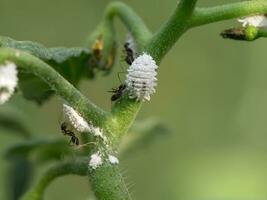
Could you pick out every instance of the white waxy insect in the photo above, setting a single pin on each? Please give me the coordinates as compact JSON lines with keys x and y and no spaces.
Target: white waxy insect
{"x":141,"y":78}
{"x":256,"y":21}
{"x":78,"y":123}
{"x":74,"y":119}
{"x":95,"y":160}
{"x":113,"y":159}
{"x":8,"y":81}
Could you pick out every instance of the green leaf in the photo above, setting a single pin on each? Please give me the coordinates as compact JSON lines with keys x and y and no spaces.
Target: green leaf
{"x":44,"y":148}
{"x":33,"y":88}
{"x":18,"y":177}
{"x":13,"y":125}
{"x":71,"y":63}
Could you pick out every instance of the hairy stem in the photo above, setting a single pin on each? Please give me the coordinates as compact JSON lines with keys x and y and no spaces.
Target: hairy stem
{"x":171,"y":31}
{"x":106,"y":180}
{"x":131,"y":20}
{"x":108,"y":184}
{"x":30,"y":64}
{"x":203,"y":16}
{"x":76,"y":167}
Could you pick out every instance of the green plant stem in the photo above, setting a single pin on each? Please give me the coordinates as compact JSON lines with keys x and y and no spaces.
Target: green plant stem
{"x":106,"y":180}
{"x":125,"y":110}
{"x":203,"y":16}
{"x":171,"y":31}
{"x":131,"y":20}
{"x":108,"y":184}
{"x":76,"y":167}
{"x":29,"y":64}
{"x":262,"y":33}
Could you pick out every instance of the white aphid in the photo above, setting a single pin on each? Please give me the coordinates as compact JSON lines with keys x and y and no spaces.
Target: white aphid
{"x":256,"y":21}
{"x":95,"y":160}
{"x":113,"y":159}
{"x":141,"y":78}
{"x":8,"y":81}
{"x":75,"y":120}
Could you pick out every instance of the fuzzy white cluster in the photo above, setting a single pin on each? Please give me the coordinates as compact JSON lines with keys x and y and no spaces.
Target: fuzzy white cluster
{"x":131,"y":43}
{"x":95,"y":160}
{"x":256,"y":21}
{"x":8,"y":81}
{"x":75,"y":120}
{"x":141,"y":78}
{"x":113,"y":159}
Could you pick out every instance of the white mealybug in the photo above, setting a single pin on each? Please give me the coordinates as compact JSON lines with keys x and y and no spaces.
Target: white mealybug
{"x":76,"y":122}
{"x":113,"y":159}
{"x":141,"y":78}
{"x":256,"y":21}
{"x":8,"y":81}
{"x":74,"y":119}
{"x":95,"y":160}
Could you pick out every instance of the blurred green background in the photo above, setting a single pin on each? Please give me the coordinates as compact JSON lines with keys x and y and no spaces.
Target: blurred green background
{"x":212,"y":95}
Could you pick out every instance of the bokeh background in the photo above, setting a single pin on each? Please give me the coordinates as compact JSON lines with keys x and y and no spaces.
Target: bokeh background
{"x":212,"y":96}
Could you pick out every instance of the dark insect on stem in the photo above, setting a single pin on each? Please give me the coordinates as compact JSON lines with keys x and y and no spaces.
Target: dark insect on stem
{"x":73,"y":138}
{"x":129,"y":53}
{"x":234,"y":33}
{"x":117,"y":92}
{"x":129,"y":58}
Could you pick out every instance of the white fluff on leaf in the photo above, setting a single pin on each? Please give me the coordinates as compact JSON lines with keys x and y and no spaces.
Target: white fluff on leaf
{"x":141,"y":78}
{"x":95,"y":160}
{"x":8,"y":81}
{"x":256,"y":21}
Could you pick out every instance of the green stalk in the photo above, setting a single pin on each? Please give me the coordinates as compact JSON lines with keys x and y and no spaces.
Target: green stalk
{"x":203,"y":16}
{"x":262,"y":33}
{"x":171,"y":31}
{"x":108,"y":184}
{"x":131,"y":20}
{"x":76,"y":167}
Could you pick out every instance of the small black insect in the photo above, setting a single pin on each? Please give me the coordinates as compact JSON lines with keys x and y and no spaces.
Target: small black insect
{"x":234,"y":33}
{"x":129,"y":58}
{"x":65,"y":131}
{"x":117,"y":92}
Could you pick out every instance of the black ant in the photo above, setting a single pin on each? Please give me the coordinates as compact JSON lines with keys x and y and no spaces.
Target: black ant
{"x":129,"y":53}
{"x":117,"y":92}
{"x":129,"y":58}
{"x":65,"y":131}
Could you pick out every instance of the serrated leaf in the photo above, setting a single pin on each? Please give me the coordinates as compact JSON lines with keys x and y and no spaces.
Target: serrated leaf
{"x":71,"y":63}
